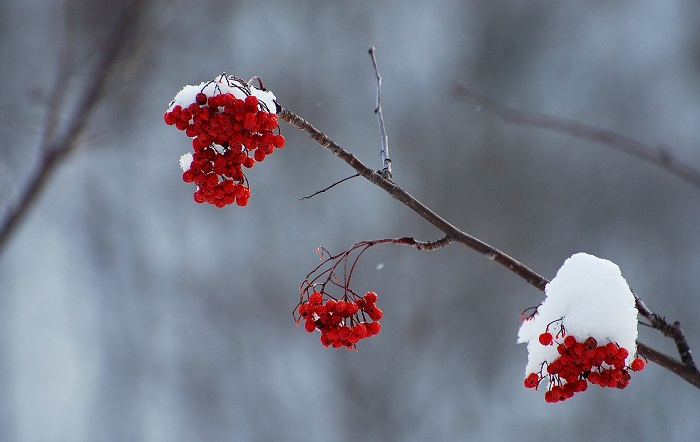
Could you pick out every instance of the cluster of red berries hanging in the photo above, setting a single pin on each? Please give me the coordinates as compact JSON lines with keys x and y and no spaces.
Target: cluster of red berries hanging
{"x":580,"y":363}
{"x":232,"y":125}
{"x":343,"y":322}
{"x":584,"y":332}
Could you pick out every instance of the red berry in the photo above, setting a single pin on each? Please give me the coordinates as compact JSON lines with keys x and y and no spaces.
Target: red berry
{"x":330,"y":306}
{"x":532,"y":380}
{"x":611,"y":349}
{"x":590,"y":343}
{"x":351,"y":308}
{"x":341,"y":308}
{"x":169,"y":118}
{"x":373,"y":328}
{"x":251,"y":103}
{"x":360,"y":330}
{"x":315,"y":298}
{"x":637,"y":365}
{"x":570,"y":341}
{"x":375,"y":313}
{"x":370,"y":297}
{"x":546,"y":338}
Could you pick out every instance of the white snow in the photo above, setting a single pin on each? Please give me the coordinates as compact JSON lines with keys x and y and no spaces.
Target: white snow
{"x":221,"y":85}
{"x":591,"y":298}
{"x":186,"y":161}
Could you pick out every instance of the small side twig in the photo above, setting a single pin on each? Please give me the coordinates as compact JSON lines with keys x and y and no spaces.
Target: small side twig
{"x":333,"y":271}
{"x":329,"y":187}
{"x":386,"y":161}
{"x":643,"y":151}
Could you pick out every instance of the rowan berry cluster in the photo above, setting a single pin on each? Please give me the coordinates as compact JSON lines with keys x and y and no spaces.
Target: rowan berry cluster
{"x":581,"y":362}
{"x":230,"y":129}
{"x":343,"y":322}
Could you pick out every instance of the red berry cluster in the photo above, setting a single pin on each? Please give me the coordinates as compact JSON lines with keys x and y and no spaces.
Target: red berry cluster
{"x":582,"y":362}
{"x":228,"y":133}
{"x":339,"y":320}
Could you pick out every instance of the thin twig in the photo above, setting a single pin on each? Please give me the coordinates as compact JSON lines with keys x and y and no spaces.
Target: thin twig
{"x":643,"y":151}
{"x":386,"y":171}
{"x":329,"y":187}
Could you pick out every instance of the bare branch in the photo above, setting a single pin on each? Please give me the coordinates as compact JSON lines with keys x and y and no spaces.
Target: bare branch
{"x":421,"y":209}
{"x":685,"y":371}
{"x":386,"y":171}
{"x":643,"y":151}
{"x":667,"y":362}
{"x":329,"y":187}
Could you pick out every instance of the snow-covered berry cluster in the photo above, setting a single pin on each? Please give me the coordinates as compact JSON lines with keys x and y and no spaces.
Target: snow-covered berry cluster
{"x":584,"y":332}
{"x":232,"y":125}
{"x":579,"y":363}
{"x":343,"y":322}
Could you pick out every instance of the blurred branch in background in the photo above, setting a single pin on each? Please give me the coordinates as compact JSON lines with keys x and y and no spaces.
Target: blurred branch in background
{"x":60,"y":139}
{"x":643,"y":151}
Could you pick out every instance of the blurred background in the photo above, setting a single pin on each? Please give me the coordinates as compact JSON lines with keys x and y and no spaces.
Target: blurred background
{"x":130,"y":313}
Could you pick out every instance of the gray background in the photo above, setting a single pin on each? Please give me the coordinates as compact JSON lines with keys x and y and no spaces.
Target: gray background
{"x":128,"y":312}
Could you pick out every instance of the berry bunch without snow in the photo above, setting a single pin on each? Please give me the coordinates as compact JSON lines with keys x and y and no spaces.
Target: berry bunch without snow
{"x":345,"y":318}
{"x":343,"y":322}
{"x":232,"y":125}
{"x":584,"y":332}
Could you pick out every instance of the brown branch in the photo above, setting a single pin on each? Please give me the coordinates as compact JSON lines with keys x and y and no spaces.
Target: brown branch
{"x":672,"y":331}
{"x":669,"y":363}
{"x":685,"y":371}
{"x":421,"y":209}
{"x":58,"y":144}
{"x":643,"y":151}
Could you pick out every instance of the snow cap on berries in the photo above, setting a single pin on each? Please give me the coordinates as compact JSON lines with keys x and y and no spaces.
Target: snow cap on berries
{"x":584,"y":332}
{"x":223,"y":85}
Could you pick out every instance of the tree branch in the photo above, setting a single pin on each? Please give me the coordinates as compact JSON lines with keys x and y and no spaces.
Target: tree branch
{"x":401,"y":195}
{"x":669,"y":363}
{"x":453,"y":234}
